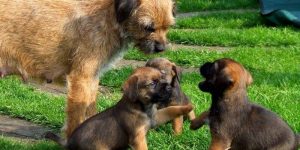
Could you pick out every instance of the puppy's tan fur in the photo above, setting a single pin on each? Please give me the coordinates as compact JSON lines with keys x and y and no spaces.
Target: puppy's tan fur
{"x":127,"y":123}
{"x":58,"y":39}
{"x":173,"y":74}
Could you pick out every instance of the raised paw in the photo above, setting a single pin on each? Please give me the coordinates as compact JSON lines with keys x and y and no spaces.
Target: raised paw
{"x":187,"y":108}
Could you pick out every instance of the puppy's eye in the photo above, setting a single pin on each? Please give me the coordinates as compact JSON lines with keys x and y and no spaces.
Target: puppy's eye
{"x":152,"y":84}
{"x":150,"y":28}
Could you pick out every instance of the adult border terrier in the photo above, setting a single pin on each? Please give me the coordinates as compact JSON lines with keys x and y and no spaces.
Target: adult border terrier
{"x":76,"y":39}
{"x":126,"y":123}
{"x":172,"y":74}
{"x":234,"y":122}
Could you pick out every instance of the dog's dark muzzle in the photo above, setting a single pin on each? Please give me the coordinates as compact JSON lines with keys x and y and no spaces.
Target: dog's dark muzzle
{"x":205,"y":86}
{"x":163,"y":94}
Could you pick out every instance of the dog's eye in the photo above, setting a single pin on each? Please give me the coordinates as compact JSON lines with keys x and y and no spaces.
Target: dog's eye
{"x":152,"y":84}
{"x":149,"y":29}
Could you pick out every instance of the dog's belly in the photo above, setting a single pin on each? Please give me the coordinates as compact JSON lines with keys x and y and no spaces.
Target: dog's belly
{"x":32,"y":38}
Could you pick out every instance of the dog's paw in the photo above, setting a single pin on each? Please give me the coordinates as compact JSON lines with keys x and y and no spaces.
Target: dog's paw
{"x":196,"y":124}
{"x":187,"y":108}
{"x":200,"y":121}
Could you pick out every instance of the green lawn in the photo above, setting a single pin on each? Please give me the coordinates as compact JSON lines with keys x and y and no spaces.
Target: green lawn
{"x":272,"y":55}
{"x":12,"y":144}
{"x":235,"y":20}
{"x":200,"y":5}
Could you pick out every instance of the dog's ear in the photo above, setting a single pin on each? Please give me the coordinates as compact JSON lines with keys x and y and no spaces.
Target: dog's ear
{"x":205,"y":69}
{"x":176,"y":72}
{"x":124,"y":8}
{"x":130,"y":88}
{"x":174,"y":10}
{"x":249,"y":78}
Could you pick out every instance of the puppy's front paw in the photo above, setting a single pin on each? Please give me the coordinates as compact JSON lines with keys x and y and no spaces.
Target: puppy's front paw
{"x":187,"y":108}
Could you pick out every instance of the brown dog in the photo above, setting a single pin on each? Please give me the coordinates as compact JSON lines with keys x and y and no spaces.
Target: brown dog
{"x":76,"y":39}
{"x":172,"y":74}
{"x":234,"y":122}
{"x":126,"y":123}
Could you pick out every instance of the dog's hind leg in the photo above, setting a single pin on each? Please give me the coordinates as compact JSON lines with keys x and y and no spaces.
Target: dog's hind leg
{"x":177,"y":125}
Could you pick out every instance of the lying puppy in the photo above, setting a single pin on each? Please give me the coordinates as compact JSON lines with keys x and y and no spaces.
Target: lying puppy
{"x":172,"y":75}
{"x":234,"y":122}
{"x":126,"y":124}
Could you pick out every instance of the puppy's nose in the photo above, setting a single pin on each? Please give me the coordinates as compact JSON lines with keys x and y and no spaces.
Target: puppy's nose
{"x":159,"y":47}
{"x":167,"y":87}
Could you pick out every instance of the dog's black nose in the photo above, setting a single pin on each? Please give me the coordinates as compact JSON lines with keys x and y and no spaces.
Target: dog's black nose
{"x":159,"y":47}
{"x":168,"y":88}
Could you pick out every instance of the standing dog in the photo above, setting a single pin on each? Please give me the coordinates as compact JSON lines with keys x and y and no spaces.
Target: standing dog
{"x":76,"y":39}
{"x":172,"y":74}
{"x":126,"y":123}
{"x":234,"y":122}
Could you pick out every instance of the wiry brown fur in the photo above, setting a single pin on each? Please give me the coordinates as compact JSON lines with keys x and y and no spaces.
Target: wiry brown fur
{"x":127,"y":123}
{"x":234,"y":122}
{"x":58,"y":39}
{"x":172,"y":74}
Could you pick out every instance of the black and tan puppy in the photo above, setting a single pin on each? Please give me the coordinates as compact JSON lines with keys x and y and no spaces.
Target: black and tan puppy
{"x":172,"y":74}
{"x":126,"y":124}
{"x":234,"y":122}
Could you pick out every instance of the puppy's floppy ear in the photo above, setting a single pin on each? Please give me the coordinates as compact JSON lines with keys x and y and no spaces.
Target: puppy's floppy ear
{"x":174,"y":10}
{"x":124,"y":8}
{"x":205,"y":69}
{"x":130,"y":88}
{"x":249,"y":78}
{"x":177,"y":74}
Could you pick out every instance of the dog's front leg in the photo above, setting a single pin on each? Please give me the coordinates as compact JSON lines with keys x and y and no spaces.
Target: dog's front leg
{"x":82,"y":82}
{"x":91,"y":106}
{"x":219,"y":143}
{"x":166,"y":114}
{"x":140,"y":142}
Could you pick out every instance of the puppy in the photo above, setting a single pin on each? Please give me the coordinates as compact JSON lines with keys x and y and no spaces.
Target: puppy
{"x":172,"y":74}
{"x":234,"y":122}
{"x":76,"y":40}
{"x":126,"y":123}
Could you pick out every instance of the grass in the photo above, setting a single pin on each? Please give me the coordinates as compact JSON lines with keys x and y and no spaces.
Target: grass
{"x":12,"y":144}
{"x":276,"y":86}
{"x":258,"y":36}
{"x":221,"y":20}
{"x":200,"y":5}
{"x":248,"y":56}
{"x":19,"y":100}
{"x":272,"y":55}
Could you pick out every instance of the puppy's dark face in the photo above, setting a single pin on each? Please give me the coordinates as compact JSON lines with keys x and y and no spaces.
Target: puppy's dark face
{"x":147,"y":86}
{"x":170,"y":71}
{"x":222,"y":75}
{"x":146,"y":22}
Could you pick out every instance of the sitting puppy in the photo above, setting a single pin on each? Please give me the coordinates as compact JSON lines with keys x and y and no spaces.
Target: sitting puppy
{"x":234,"y":122}
{"x":126,"y":124}
{"x":172,"y":74}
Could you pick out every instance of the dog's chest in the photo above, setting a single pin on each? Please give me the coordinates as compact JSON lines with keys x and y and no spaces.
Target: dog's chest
{"x":114,"y":58}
